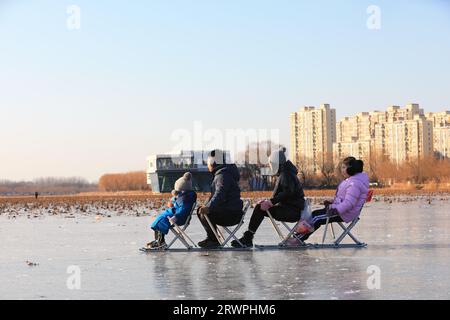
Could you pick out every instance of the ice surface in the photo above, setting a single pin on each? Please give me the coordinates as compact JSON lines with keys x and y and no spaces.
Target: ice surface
{"x":409,"y":242}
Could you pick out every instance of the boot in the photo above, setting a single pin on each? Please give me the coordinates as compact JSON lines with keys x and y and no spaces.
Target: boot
{"x":159,"y":242}
{"x":295,"y":241}
{"x":209,"y":244}
{"x":246,"y":240}
{"x":154,"y":243}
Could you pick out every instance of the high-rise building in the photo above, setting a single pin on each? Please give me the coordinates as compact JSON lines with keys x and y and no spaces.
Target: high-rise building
{"x":441,"y":141}
{"x":401,"y":140}
{"x":358,"y":149}
{"x":354,"y":136}
{"x":364,"y":126}
{"x":313,"y":132}
{"x":354,"y":128}
{"x":400,"y":134}
{"x":395,"y":113}
{"x":441,"y":132}
{"x":347,"y":129}
{"x":439,"y":119}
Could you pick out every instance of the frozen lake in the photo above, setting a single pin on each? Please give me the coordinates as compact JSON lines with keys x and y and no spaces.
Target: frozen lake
{"x":408,"y":242}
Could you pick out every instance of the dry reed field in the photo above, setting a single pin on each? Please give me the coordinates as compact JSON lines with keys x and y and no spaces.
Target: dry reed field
{"x":144,"y":203}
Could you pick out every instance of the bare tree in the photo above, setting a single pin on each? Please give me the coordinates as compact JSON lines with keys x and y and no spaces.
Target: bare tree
{"x":131,"y":181}
{"x":305,"y":173}
{"x":327,"y":169}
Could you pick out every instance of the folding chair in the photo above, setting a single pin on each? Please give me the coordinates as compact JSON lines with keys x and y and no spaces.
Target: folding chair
{"x":346,"y":229}
{"x":291,"y":231}
{"x":231,"y":233}
{"x":180,"y":232}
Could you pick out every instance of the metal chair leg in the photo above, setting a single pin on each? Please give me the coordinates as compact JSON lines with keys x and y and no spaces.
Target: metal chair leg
{"x":184,"y":235}
{"x":232,"y":234}
{"x":214,"y":230}
{"x":347,"y":232}
{"x":332,"y":231}
{"x":275,"y":226}
{"x":181,"y":238}
{"x":220,"y":233}
{"x":291,"y":233}
{"x":180,"y":231}
{"x":325,"y":231}
{"x":177,"y":236}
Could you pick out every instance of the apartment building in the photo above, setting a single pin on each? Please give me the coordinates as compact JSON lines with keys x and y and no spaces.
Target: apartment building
{"x":354,"y":135}
{"x":313,"y":132}
{"x":402,"y":140}
{"x":401,"y":134}
{"x":358,"y":149}
{"x":441,"y":132}
{"x":441,"y":142}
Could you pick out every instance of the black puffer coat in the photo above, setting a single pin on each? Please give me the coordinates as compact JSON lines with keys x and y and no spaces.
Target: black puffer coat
{"x":288,"y":190}
{"x":225,"y":191}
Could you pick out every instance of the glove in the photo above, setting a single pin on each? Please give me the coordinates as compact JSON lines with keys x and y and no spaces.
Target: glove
{"x":327,"y":203}
{"x":332,"y":212}
{"x":266,"y":205}
{"x":203,"y":210}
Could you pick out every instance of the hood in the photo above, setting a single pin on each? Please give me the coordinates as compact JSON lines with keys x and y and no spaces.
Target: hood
{"x":232,"y":169}
{"x":288,"y":167}
{"x":218,"y":169}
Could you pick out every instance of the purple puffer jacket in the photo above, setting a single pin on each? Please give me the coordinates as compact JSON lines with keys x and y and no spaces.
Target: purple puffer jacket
{"x":351,"y":196}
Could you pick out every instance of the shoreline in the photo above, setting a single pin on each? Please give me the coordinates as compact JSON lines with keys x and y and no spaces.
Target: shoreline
{"x":145,"y":203}
{"x":142,"y":195}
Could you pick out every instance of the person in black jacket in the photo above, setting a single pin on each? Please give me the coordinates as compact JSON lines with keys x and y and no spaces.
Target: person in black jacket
{"x":224,"y":207}
{"x":287,"y":202}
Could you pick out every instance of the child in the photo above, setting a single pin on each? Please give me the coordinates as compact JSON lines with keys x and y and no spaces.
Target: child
{"x":179,"y":208}
{"x":345,"y":207}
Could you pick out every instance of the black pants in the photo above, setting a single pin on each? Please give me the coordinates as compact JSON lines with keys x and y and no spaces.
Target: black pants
{"x":319,"y":219}
{"x":278,"y":212}
{"x":221,"y":218}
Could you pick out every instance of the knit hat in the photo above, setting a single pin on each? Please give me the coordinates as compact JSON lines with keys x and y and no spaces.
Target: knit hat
{"x":184,"y":183}
{"x":277,"y":159}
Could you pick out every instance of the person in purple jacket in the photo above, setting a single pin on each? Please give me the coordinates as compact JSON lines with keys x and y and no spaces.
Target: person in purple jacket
{"x":350,"y":197}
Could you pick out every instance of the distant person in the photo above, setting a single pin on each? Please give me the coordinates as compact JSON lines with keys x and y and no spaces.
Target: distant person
{"x":350,"y":197}
{"x":224,"y":207}
{"x":36,"y":195}
{"x":287,"y":202}
{"x":179,"y":208}
{"x":257,"y":183}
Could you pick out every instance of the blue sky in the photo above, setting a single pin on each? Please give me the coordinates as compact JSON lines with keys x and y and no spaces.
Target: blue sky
{"x":100,"y":99}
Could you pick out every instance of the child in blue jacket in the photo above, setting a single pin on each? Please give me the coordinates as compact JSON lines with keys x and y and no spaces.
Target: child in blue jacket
{"x":177,"y":212}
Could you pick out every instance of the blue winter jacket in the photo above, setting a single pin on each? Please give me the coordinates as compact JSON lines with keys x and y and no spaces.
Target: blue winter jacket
{"x":183,"y":204}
